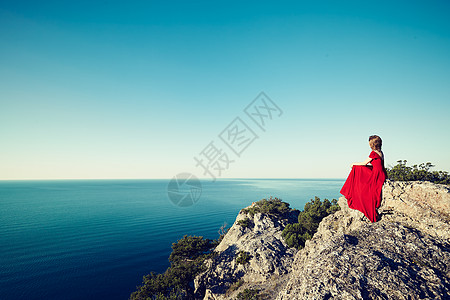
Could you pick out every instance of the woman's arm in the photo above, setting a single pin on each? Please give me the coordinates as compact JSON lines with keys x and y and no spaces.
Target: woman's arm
{"x":368,"y":160}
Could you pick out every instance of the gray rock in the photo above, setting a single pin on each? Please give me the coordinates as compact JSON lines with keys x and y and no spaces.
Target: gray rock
{"x":269,"y":262}
{"x":405,"y":255}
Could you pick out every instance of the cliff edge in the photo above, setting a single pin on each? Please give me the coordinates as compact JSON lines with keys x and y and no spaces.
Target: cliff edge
{"x":252,"y":254}
{"x":405,"y":255}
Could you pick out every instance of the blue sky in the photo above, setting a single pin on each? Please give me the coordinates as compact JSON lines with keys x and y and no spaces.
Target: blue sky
{"x":136,"y":90}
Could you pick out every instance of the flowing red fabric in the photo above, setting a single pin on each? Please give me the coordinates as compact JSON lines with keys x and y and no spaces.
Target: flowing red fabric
{"x":362,"y":189}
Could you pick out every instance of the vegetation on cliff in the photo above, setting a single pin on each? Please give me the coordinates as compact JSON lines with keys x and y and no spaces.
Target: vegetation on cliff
{"x":422,"y":172}
{"x":248,"y":294}
{"x":244,"y":223}
{"x":190,"y":252}
{"x":243,"y":257}
{"x":187,"y":257}
{"x":295,"y":235}
{"x":272,"y":206}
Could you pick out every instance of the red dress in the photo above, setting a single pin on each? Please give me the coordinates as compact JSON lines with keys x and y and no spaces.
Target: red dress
{"x":362,"y":189}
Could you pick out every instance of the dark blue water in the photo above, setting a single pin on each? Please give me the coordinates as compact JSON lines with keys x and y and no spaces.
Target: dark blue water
{"x":95,"y":239}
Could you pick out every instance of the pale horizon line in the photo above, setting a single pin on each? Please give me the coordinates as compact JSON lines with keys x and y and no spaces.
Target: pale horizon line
{"x":165,"y":178}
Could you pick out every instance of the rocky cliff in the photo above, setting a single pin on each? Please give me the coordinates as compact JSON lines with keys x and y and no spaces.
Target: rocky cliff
{"x":405,"y":255}
{"x":267,"y":262}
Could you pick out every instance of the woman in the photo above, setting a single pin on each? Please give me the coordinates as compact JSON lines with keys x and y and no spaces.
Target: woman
{"x":362,"y":189}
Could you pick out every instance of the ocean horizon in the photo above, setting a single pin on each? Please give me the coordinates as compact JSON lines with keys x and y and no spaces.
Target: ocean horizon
{"x":96,"y":238}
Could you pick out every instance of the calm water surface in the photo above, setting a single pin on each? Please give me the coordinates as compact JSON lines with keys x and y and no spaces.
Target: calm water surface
{"x":95,"y":239}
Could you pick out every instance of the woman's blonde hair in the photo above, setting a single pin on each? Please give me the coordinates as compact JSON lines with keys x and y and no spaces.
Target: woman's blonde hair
{"x":375,"y":142}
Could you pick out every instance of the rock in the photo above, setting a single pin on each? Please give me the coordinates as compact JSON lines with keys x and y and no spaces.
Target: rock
{"x":269,"y":262}
{"x":423,"y":205}
{"x":405,"y":255}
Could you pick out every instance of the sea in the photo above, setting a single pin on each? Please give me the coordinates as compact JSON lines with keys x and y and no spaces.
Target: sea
{"x":96,"y":239}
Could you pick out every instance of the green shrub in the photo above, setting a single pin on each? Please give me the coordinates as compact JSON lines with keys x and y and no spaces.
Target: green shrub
{"x":248,"y":294}
{"x":243,"y":258}
{"x":296,"y":235}
{"x":172,"y":284}
{"x":314,"y":211}
{"x":189,"y":248}
{"x":401,"y":172}
{"x":244,"y":222}
{"x":272,"y":206}
{"x":187,"y":257}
